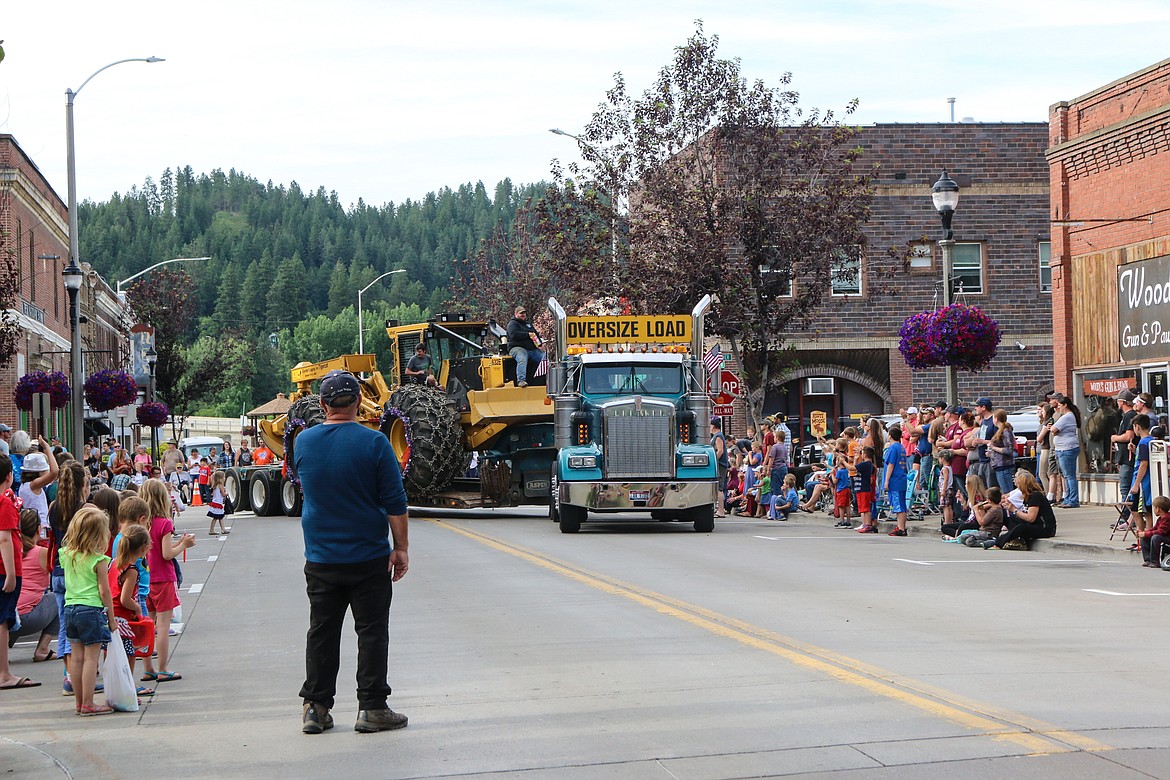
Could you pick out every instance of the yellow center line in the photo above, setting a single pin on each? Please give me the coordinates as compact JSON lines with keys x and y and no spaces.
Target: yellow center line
{"x":1035,"y":736}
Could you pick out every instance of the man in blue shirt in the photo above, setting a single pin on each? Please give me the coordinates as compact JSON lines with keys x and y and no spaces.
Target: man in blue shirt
{"x":894,"y":483}
{"x":1140,"y":507}
{"x":353,"y":502}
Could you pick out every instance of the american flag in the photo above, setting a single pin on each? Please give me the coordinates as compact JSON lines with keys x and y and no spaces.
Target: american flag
{"x":713,"y":360}
{"x":542,"y":369}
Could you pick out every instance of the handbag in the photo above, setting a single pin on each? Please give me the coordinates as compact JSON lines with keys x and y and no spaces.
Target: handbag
{"x":121,"y":690}
{"x":143,"y":640}
{"x":228,"y":506}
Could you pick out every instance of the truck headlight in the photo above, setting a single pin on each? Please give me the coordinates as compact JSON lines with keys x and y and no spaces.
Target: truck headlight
{"x":583,"y":461}
{"x":696,"y":459}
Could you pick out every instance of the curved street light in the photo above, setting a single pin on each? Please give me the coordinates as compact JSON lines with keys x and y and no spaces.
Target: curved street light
{"x":361,"y":332}
{"x":73,"y":272}
{"x":122,"y":295}
{"x":613,"y":195}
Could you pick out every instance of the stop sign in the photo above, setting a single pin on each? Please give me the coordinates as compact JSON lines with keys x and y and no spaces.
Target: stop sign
{"x":729,"y":384}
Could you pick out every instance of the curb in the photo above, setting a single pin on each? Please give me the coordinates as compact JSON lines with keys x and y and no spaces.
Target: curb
{"x":1055,"y":545}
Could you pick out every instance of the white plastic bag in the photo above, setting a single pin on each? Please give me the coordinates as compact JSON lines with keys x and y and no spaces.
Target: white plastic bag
{"x":121,"y":692}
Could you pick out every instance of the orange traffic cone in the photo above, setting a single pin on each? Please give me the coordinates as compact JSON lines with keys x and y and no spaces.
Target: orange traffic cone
{"x":196,"y":498}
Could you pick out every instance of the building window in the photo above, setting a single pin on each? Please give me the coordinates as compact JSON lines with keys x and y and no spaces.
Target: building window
{"x":1045,"y":250}
{"x":968,"y":269}
{"x":776,"y":283}
{"x":845,"y":272}
{"x":819,"y":385}
{"x":921,"y":256}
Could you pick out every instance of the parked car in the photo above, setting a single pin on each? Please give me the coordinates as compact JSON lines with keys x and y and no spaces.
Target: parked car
{"x":202,"y":444}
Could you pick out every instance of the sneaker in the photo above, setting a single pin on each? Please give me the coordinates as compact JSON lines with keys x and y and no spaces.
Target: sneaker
{"x":898,"y":532}
{"x":370,"y":721}
{"x":867,"y":529}
{"x":315,"y":719}
{"x":844,"y":524}
{"x":67,"y":687}
{"x":518,"y":384}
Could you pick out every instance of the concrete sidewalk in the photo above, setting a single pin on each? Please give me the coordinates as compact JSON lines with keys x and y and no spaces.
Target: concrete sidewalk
{"x":1081,"y":531}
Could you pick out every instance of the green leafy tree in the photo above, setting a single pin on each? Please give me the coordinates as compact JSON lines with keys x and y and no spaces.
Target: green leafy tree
{"x":734,"y":191}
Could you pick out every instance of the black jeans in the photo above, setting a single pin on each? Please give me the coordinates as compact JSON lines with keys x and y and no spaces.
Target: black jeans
{"x":1153,"y":547}
{"x":365,"y":589}
{"x":1022,"y":529}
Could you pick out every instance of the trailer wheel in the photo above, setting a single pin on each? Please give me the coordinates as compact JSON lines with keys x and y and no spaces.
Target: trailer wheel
{"x":291,"y":498}
{"x":262,"y":494}
{"x":703,"y":517}
{"x":423,"y":428}
{"x":235,"y":485}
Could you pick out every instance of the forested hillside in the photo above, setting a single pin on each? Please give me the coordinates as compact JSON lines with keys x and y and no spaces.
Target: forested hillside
{"x":285,"y":264}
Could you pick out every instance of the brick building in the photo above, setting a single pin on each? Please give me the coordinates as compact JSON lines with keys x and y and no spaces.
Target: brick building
{"x":34,"y":248}
{"x":849,"y":364}
{"x":1110,"y":179}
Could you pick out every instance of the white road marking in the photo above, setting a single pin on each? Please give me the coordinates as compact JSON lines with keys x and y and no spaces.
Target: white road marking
{"x":786,"y":538}
{"x":998,"y":560}
{"x":1115,"y":593}
{"x":212,"y":558}
{"x":196,"y":588}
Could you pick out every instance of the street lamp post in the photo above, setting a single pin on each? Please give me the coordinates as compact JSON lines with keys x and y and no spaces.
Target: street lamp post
{"x":613,"y":198}
{"x":122,"y":295}
{"x":73,"y":271}
{"x":151,"y":359}
{"x":945,"y":194}
{"x":361,"y":332}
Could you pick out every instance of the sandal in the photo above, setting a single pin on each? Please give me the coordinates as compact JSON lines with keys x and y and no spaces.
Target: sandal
{"x":168,"y":676}
{"x":48,"y":657}
{"x":149,"y":677}
{"x":144,"y":691}
{"x":100,"y":709}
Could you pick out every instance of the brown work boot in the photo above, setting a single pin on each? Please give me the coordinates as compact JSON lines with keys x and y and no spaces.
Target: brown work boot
{"x":315,"y":718}
{"x":369,"y":721}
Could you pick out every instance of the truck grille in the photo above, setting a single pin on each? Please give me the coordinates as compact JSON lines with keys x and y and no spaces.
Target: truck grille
{"x":639,"y":443}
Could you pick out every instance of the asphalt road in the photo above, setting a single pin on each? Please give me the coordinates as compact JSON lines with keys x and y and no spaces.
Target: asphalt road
{"x":649,"y":651}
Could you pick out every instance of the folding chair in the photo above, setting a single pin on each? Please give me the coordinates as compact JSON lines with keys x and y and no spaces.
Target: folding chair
{"x":1123,"y":521}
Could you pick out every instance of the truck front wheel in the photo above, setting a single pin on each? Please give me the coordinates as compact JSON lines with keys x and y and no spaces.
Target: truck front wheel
{"x":703,"y":517}
{"x":571,"y":518}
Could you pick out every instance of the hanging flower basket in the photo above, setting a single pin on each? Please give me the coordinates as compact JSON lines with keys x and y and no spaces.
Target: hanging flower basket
{"x":52,"y":382}
{"x":109,"y":389}
{"x":153,"y":414}
{"x":915,"y":345}
{"x":957,"y":335}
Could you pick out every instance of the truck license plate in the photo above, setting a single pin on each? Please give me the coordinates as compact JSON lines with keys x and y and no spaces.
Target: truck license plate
{"x":639,"y":495}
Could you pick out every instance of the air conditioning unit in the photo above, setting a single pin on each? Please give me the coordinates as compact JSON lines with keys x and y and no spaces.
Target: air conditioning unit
{"x":819,"y":385}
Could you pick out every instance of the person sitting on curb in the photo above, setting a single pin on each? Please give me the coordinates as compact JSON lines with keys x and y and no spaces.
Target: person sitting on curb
{"x":1035,"y":521}
{"x":1155,"y":539}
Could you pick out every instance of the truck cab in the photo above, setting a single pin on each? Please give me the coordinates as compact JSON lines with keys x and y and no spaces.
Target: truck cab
{"x":631,"y":420}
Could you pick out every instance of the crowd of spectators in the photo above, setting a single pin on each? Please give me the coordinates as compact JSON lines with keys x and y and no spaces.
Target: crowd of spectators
{"x":89,"y":555}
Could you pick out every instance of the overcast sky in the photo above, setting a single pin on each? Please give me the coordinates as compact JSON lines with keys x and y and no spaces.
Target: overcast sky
{"x":386,"y":100}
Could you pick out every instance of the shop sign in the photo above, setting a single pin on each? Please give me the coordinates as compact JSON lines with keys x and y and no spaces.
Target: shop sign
{"x":1143,"y":309}
{"x":818,"y":423}
{"x":1108,"y":387}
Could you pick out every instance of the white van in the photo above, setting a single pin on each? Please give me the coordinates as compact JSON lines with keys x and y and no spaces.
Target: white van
{"x":202,"y":444}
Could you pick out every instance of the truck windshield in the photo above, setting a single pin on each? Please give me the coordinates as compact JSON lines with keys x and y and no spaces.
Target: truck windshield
{"x":616,"y":379}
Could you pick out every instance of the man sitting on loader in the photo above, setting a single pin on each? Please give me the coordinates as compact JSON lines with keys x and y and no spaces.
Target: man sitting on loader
{"x":523,"y":345}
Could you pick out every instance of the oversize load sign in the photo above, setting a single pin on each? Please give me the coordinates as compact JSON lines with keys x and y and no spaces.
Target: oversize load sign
{"x":621,"y":330}
{"x":1143,"y":309}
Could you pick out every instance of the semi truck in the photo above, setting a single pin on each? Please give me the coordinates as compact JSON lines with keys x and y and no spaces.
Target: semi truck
{"x":631,"y":419}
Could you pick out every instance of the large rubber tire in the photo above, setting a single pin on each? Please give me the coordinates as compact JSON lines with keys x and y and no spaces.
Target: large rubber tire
{"x":236,"y":489}
{"x":436,"y":453}
{"x":703,"y":517}
{"x":571,"y":518}
{"x":262,"y":493}
{"x":291,"y":498}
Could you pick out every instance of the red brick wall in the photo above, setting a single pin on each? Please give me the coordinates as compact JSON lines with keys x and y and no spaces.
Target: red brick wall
{"x":1108,"y":160}
{"x":25,"y":232}
{"x":1003,"y":204}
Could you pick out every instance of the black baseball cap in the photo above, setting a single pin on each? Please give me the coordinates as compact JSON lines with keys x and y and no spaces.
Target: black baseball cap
{"x":340,"y":388}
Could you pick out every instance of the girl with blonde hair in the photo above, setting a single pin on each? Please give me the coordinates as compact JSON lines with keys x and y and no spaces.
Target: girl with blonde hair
{"x":89,"y":608}
{"x":160,"y":559}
